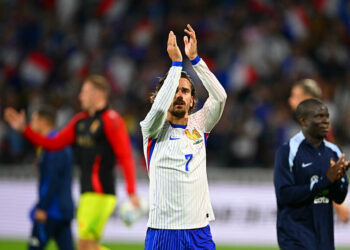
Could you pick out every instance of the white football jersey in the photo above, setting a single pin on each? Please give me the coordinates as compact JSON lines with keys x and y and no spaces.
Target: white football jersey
{"x":176,"y":155}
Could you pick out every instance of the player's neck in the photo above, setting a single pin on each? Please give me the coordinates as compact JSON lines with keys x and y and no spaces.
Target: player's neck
{"x":99,"y":105}
{"x":314,"y":141}
{"x":176,"y":120}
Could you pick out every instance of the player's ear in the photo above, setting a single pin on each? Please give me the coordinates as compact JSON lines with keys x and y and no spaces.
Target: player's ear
{"x":302,"y":120}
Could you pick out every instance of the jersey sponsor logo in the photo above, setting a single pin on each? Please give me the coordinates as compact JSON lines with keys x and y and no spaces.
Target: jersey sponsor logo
{"x":85,"y":141}
{"x":304,"y":165}
{"x":94,"y":126}
{"x":321,"y":200}
{"x":322,"y":197}
{"x":174,"y":138}
{"x":194,"y":135}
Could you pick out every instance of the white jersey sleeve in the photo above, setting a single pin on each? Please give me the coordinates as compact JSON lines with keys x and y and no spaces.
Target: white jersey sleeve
{"x":212,"y":109}
{"x":155,"y":118}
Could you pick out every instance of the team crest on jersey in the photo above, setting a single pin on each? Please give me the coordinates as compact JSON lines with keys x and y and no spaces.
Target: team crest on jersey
{"x":94,"y":126}
{"x":194,"y":135}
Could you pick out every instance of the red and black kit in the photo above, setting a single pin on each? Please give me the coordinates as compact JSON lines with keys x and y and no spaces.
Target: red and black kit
{"x":98,"y":142}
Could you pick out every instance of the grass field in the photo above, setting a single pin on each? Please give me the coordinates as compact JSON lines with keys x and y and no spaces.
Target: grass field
{"x":22,"y":245}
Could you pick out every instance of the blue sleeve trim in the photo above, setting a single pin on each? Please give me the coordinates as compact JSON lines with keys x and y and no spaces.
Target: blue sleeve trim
{"x":177,"y":63}
{"x":196,"y":60}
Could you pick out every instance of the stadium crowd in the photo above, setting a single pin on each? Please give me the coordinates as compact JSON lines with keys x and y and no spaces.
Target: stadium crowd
{"x":256,"y":48}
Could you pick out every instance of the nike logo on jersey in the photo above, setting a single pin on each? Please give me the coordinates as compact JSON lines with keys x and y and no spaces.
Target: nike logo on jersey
{"x":304,"y":165}
{"x":173,"y":138}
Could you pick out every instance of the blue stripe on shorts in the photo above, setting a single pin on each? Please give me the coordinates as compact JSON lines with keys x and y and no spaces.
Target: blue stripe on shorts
{"x":160,"y":239}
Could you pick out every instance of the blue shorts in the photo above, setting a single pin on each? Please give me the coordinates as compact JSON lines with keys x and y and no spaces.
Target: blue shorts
{"x":58,"y":230}
{"x":199,"y":238}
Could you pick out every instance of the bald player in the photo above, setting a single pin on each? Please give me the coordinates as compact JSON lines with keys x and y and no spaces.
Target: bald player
{"x":302,"y":90}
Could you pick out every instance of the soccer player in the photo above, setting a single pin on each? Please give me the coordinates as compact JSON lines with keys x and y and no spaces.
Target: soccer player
{"x":302,"y":90}
{"x":100,"y":138}
{"x":175,"y":151}
{"x":309,"y":174}
{"x":53,"y":213}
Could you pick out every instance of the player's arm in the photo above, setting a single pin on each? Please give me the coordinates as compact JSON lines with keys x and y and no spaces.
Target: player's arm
{"x":55,"y":165}
{"x":214,"y":105}
{"x":156,"y":117}
{"x":287,"y":191}
{"x":339,"y":188}
{"x":66,"y":136}
{"x":117,"y":136}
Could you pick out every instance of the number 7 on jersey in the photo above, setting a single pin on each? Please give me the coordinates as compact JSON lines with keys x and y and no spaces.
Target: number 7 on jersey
{"x":188,"y":158}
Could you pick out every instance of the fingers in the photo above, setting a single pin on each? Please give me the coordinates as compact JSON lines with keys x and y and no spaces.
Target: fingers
{"x":172,"y":39}
{"x":190,"y":28}
{"x":190,"y":32}
{"x":186,"y":40}
{"x":10,"y":114}
{"x":341,"y":158}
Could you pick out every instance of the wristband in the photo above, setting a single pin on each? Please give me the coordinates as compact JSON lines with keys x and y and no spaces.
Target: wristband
{"x":177,"y":63}
{"x":196,"y":60}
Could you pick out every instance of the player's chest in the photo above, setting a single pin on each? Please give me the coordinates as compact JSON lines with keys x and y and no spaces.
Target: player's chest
{"x":189,"y":139}
{"x":312,"y":163}
{"x":89,"y":132}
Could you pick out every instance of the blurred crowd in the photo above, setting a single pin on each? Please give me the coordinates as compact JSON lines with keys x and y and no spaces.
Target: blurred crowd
{"x":256,"y":48}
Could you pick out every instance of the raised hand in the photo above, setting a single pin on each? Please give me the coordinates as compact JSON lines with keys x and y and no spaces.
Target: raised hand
{"x":17,"y":120}
{"x":172,"y":48}
{"x":190,"y":44}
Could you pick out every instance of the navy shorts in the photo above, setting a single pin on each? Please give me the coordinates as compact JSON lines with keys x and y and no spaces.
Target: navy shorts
{"x":58,"y":230}
{"x":160,"y":239}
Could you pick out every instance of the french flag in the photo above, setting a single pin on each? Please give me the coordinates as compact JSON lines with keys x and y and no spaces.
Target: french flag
{"x":36,"y":68}
{"x":111,"y":9}
{"x":241,"y":75}
{"x":329,"y":7}
{"x":297,"y":23}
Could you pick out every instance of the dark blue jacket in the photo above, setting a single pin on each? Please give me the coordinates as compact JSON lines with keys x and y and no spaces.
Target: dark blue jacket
{"x":304,"y":194}
{"x":55,"y":183}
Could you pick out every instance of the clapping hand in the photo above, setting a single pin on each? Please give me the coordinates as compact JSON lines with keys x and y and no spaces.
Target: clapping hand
{"x":190,"y":43}
{"x":172,"y":48}
{"x":337,"y":169}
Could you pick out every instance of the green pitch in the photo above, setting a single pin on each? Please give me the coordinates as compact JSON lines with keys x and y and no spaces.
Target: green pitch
{"x":21,"y":245}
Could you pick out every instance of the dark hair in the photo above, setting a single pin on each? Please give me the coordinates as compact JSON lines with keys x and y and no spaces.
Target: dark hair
{"x":99,"y":82}
{"x":183,"y":75}
{"x":310,"y":87}
{"x":304,"y":108}
{"x":48,"y":113}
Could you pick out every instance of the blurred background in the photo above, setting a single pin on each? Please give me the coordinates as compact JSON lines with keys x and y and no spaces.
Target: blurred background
{"x":256,"y":48}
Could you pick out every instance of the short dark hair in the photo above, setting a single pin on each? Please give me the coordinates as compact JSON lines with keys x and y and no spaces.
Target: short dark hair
{"x":304,"y":108}
{"x":183,"y":75}
{"x":99,"y":82}
{"x":48,"y":113}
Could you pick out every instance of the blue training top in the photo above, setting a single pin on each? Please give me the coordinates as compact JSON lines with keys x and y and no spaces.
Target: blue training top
{"x":55,"y":183}
{"x":304,"y":194}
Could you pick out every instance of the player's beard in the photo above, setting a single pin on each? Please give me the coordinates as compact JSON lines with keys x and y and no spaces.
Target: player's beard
{"x":178,"y":113}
